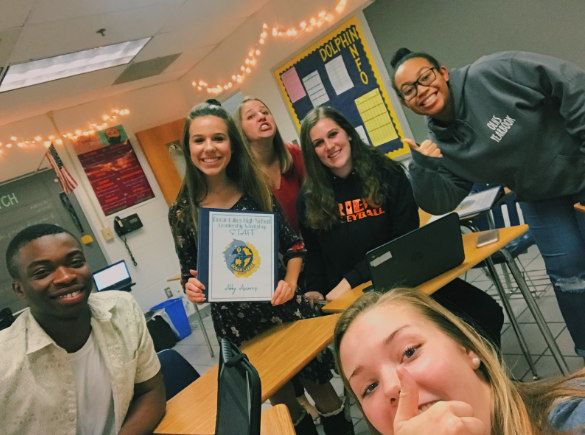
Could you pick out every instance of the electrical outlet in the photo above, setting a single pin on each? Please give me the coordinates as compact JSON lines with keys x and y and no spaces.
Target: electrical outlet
{"x":107,"y":234}
{"x":169,"y":292}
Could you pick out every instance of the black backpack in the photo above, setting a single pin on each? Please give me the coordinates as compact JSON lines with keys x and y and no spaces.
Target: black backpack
{"x":239,"y":393}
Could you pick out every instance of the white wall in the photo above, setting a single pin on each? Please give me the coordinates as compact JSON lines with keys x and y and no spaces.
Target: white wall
{"x":152,"y":245}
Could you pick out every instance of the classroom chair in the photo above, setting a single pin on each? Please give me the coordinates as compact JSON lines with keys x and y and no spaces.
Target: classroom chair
{"x":504,"y":214}
{"x":177,"y":372}
{"x":508,"y":256}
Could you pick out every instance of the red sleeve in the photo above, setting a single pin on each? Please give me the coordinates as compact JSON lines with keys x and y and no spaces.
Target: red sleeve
{"x":298,"y":168}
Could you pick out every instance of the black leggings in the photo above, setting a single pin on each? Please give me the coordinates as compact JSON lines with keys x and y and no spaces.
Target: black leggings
{"x":474,"y":306}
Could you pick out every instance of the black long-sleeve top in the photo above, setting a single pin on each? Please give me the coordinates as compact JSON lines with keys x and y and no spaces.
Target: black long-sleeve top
{"x":340,"y":252}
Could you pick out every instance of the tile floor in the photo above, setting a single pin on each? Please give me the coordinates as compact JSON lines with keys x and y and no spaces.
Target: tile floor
{"x":194,"y":349}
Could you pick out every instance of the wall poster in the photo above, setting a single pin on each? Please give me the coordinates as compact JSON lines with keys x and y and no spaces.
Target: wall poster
{"x":113,"y":169}
{"x":339,"y":71}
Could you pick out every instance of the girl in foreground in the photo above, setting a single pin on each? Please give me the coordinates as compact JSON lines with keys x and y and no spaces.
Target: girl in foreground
{"x":416,"y":369}
{"x":221,"y":174}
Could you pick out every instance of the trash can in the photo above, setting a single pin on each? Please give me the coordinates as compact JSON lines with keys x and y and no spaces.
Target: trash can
{"x":176,"y":312}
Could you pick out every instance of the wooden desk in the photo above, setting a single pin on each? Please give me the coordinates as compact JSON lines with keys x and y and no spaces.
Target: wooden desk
{"x":277,"y":354}
{"x":276,"y":421}
{"x":580,"y":207}
{"x":473,"y":256}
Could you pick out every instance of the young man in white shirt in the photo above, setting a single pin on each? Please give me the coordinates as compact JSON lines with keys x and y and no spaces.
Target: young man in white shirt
{"x":73,"y":363}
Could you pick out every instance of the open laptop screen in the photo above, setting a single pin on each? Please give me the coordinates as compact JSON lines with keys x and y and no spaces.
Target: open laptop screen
{"x":113,"y":277}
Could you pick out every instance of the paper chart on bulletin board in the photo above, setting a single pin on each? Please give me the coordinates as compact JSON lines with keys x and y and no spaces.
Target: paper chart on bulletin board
{"x":339,"y":71}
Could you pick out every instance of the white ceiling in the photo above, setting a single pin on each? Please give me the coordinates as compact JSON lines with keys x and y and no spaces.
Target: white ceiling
{"x":35,"y":29}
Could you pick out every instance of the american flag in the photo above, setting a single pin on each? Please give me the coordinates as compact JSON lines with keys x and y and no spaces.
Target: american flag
{"x":65,"y":179}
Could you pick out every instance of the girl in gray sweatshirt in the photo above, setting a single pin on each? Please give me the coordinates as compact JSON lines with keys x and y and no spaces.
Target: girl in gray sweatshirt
{"x":511,"y":118}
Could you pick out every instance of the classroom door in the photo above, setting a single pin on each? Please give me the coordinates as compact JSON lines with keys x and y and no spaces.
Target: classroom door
{"x":32,"y":200}
{"x":158,"y":144}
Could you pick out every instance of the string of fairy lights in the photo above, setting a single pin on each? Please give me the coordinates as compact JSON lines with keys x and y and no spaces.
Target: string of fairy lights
{"x":106,"y":120}
{"x":237,"y":77}
{"x":251,"y":60}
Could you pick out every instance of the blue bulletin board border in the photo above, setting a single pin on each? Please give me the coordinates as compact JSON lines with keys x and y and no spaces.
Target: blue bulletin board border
{"x":390,"y":138}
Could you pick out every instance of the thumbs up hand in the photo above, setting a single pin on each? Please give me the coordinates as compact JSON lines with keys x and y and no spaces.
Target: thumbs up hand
{"x":427,"y":148}
{"x":442,"y":418}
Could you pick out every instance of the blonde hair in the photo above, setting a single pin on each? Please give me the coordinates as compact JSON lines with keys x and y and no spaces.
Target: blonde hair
{"x":282,"y":153}
{"x":517,"y":409}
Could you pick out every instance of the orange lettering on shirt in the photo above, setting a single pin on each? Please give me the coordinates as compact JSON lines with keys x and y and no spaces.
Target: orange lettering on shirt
{"x":348,"y":209}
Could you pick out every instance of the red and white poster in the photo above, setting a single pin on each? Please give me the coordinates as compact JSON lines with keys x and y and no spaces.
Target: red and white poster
{"x":113,"y":169}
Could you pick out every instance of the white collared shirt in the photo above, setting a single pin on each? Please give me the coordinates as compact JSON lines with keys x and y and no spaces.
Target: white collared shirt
{"x":37,"y":382}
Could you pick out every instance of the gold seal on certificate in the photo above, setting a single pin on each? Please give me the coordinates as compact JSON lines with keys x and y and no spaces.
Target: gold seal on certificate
{"x":238,"y":254}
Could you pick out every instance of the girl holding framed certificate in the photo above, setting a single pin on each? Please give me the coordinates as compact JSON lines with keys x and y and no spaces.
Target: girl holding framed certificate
{"x":356,"y":199}
{"x":221,"y":174}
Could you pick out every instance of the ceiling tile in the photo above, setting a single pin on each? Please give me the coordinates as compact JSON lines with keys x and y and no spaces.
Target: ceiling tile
{"x":177,"y":41}
{"x":217,"y":16}
{"x":60,"y":10}
{"x":8,"y":40}
{"x":72,"y":86}
{"x":189,"y":59}
{"x":147,"y":68}
{"x":55,"y":38}
{"x":14,"y":12}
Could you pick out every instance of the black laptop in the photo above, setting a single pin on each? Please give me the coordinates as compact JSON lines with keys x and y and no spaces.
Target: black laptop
{"x":418,"y":256}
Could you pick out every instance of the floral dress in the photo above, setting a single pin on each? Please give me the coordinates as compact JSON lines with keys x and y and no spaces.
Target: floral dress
{"x":242,"y":321}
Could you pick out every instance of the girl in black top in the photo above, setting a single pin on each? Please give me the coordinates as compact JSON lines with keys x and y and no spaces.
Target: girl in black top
{"x":354,"y":200}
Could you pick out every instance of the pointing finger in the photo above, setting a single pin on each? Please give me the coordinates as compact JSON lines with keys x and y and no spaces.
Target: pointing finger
{"x":411,"y":143}
{"x":408,"y":403}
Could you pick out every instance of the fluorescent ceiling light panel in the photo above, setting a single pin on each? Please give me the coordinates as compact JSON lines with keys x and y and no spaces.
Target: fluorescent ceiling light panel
{"x":67,"y":65}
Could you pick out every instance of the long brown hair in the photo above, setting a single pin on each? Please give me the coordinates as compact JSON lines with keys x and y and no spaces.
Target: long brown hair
{"x":369,"y":164}
{"x":282,"y":153}
{"x":242,"y":169}
{"x":517,"y":408}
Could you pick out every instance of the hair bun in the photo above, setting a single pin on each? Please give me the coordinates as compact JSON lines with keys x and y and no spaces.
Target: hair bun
{"x":213,"y":102}
{"x":400,"y":53}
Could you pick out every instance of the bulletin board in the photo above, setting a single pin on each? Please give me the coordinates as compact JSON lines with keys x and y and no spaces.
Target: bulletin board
{"x":339,"y":71}
{"x":112,"y":168}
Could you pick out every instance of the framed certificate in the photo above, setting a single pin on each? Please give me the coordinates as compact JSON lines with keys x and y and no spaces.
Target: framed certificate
{"x":238,"y":255}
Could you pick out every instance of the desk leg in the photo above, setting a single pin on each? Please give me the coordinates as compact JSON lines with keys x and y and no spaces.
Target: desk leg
{"x":540,"y":321}
{"x":504,"y":297}
{"x":203,"y":329}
